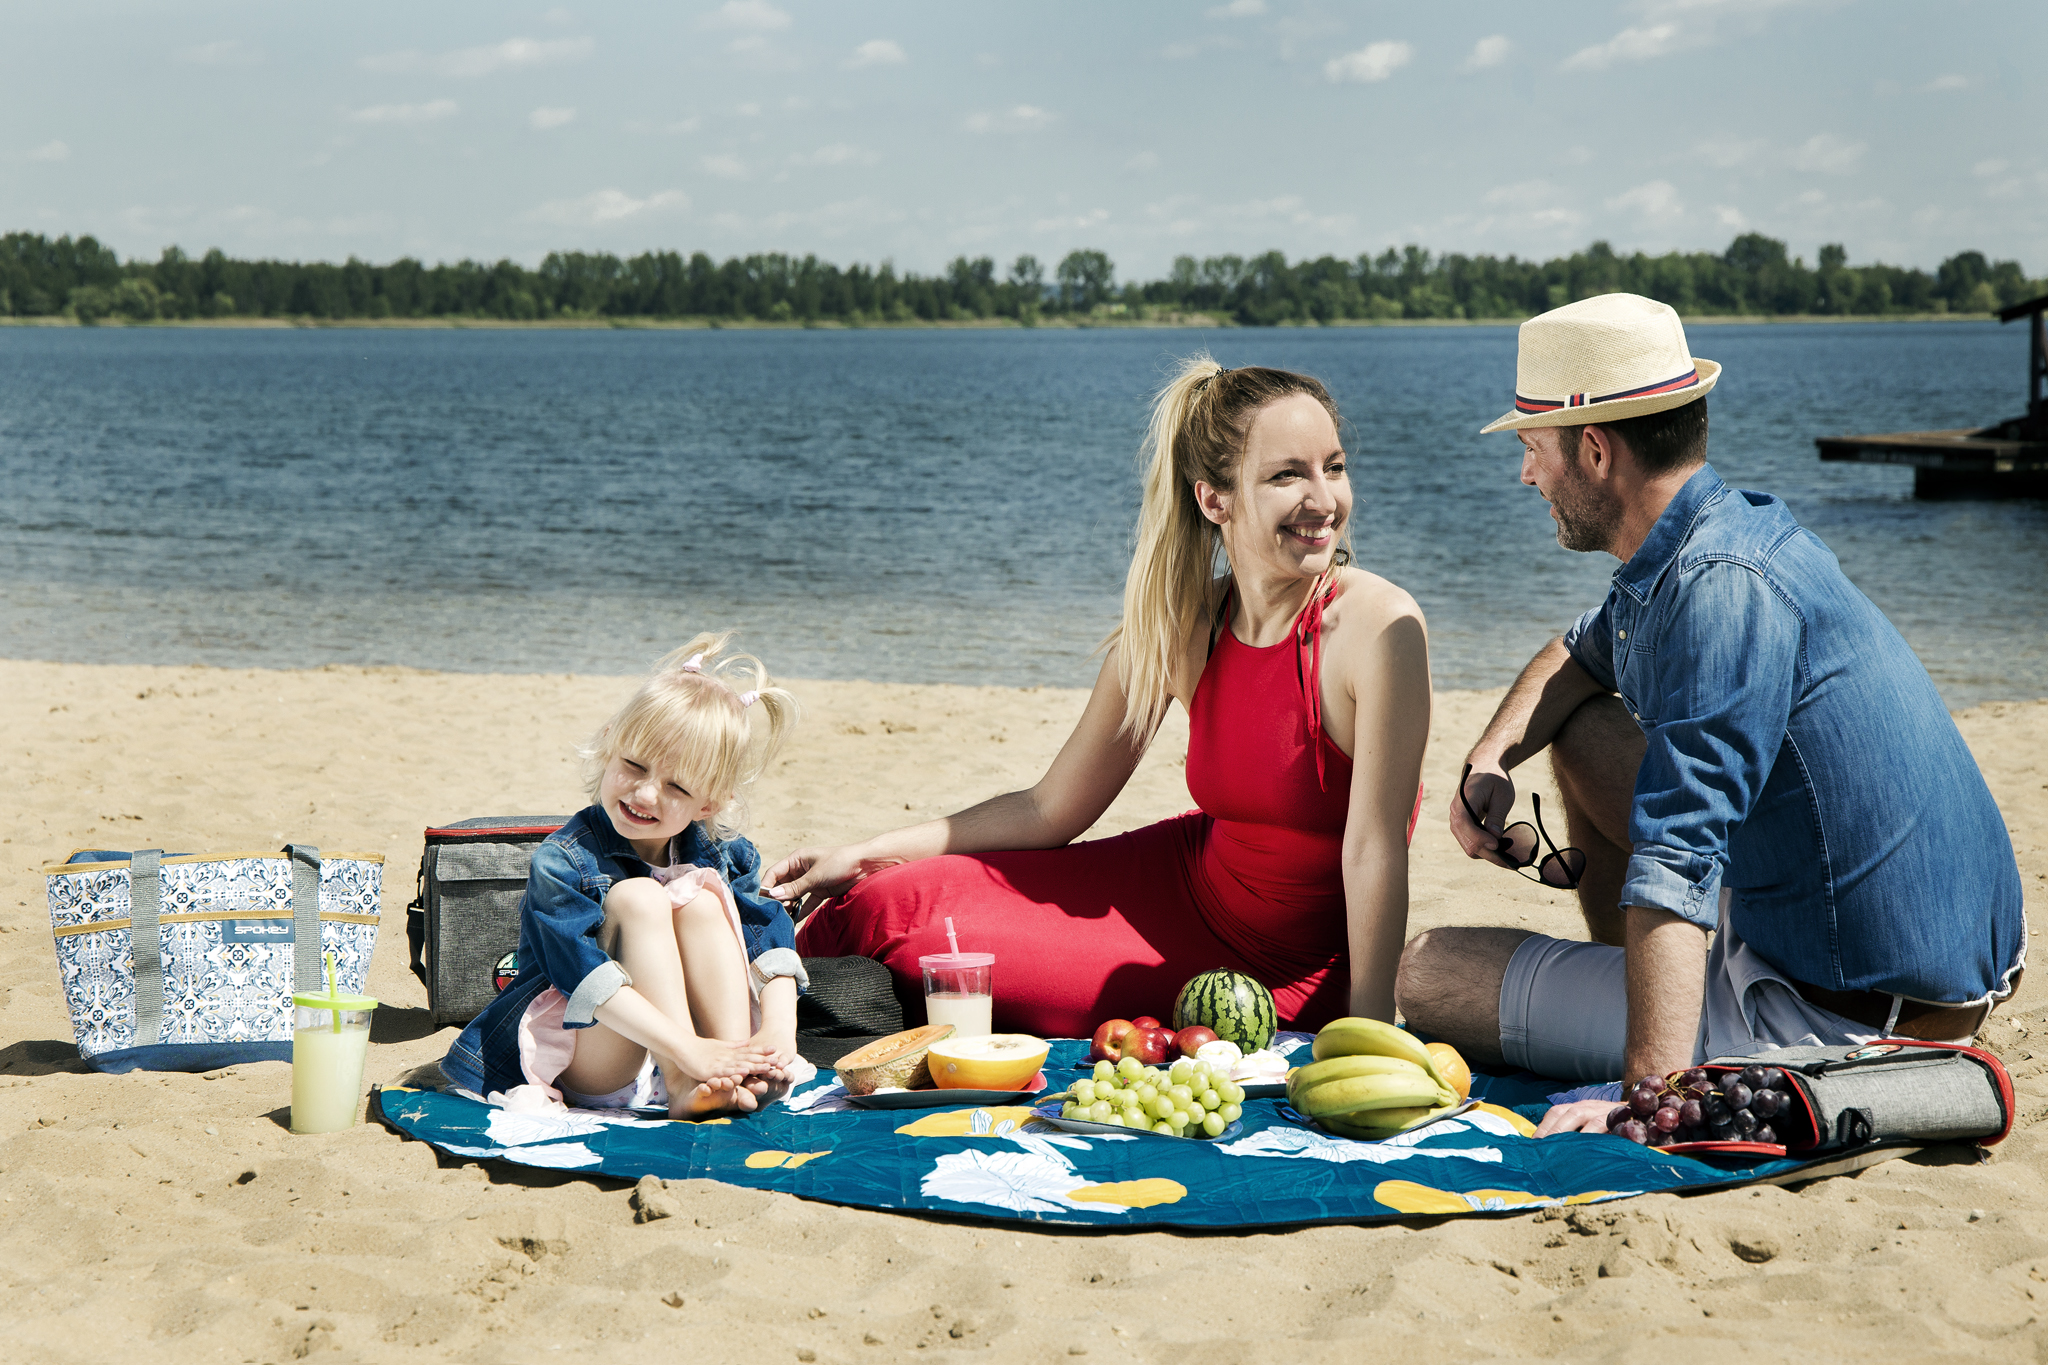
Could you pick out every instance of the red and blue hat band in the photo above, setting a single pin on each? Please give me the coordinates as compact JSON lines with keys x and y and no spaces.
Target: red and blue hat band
{"x":1580,"y":400}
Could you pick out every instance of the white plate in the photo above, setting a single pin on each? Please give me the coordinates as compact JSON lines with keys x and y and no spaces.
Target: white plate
{"x":1052,"y":1116}
{"x":947,"y":1099}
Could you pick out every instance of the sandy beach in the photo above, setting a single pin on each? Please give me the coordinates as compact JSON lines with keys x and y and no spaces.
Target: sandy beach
{"x":176,"y":1214}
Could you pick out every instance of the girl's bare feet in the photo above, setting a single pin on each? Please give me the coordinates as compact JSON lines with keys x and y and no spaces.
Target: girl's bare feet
{"x":706,"y":1076}
{"x":719,"y":1095}
{"x":767,"y":1086}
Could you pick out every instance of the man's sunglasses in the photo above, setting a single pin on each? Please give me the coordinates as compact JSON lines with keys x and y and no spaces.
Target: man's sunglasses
{"x":1561,"y":868}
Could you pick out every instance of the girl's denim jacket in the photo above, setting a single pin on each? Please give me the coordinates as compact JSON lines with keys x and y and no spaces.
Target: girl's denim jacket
{"x":561,"y":915}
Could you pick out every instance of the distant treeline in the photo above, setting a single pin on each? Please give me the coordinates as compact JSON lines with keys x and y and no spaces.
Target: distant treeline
{"x":82,"y":278}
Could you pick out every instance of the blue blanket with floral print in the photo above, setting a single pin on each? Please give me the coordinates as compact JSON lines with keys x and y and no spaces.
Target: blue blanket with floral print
{"x":998,"y":1162}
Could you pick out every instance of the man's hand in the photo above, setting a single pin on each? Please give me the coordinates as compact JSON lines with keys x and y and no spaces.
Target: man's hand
{"x":1491,"y":795}
{"x":1580,"y":1116}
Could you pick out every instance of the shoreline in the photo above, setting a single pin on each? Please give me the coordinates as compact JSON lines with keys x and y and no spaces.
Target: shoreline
{"x":1172,"y":322}
{"x":626,"y":679}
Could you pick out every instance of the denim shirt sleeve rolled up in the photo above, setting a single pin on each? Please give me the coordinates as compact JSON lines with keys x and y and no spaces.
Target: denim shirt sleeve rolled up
{"x":561,"y":916}
{"x":1713,"y":702}
{"x":764,"y":921}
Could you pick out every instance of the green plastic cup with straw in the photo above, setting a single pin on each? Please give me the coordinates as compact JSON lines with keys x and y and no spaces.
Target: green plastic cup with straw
{"x":330,"y":1042}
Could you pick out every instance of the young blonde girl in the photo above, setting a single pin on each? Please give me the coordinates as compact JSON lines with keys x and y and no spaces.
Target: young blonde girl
{"x":652,"y":971}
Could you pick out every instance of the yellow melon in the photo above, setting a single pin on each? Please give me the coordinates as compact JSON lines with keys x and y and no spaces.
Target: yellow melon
{"x":898,"y":1060}
{"x":994,"y":1061}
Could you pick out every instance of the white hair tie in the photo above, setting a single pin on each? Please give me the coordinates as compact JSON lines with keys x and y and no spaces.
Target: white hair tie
{"x":694,"y":664}
{"x":748,"y":699}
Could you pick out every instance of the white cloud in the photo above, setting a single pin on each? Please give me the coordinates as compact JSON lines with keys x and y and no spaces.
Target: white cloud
{"x":748,"y":14}
{"x":559,"y":15}
{"x":1018,"y":118}
{"x":405,"y":113}
{"x":1949,"y":81}
{"x":837,"y":154}
{"x":1670,"y":26}
{"x":1373,"y":62}
{"x":1826,"y":153}
{"x":1629,"y":45}
{"x":514,"y":54}
{"x":1239,"y":9}
{"x":748,"y":110}
{"x":1142,"y":162}
{"x":1988,"y":168}
{"x":606,"y":207}
{"x":1657,"y":201}
{"x":544,"y":118}
{"x":51,"y":151}
{"x":1728,"y":216}
{"x":1490,"y":51}
{"x":726,"y":166}
{"x":684,"y":127}
{"x":877,"y":52}
{"x":1523,"y":193}
{"x":1727,"y":152}
{"x":229,"y":52}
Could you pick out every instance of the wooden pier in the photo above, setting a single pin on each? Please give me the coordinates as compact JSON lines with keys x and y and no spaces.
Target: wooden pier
{"x":2007,"y":460}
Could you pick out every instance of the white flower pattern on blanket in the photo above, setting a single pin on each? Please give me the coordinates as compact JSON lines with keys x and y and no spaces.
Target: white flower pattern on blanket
{"x":1023,"y":1182}
{"x":1314,"y":1146}
{"x":560,"y":1156}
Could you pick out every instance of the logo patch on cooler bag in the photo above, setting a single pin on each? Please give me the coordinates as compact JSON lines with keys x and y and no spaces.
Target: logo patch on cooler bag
{"x":506,"y":972}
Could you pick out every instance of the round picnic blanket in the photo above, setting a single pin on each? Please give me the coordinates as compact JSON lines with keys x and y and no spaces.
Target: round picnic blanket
{"x":1001,"y":1162}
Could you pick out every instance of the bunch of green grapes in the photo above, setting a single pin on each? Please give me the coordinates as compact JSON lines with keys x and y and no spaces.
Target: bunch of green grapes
{"x":1190,"y":1099}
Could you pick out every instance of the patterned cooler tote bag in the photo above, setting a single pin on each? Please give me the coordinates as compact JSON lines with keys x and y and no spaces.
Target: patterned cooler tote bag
{"x":188,"y":963}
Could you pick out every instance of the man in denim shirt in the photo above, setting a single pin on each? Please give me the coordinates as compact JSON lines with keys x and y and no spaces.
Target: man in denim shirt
{"x":1745,"y":746}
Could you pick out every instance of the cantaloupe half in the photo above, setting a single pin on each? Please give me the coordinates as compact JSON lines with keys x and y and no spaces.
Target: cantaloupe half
{"x":898,"y":1060}
{"x":994,"y":1061}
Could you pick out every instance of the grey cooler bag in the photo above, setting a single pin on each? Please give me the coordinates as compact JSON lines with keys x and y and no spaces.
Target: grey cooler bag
{"x":1892,"y":1090}
{"x":463,"y":926}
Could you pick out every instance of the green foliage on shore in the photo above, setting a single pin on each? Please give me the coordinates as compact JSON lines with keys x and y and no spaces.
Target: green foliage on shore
{"x":84,"y":279}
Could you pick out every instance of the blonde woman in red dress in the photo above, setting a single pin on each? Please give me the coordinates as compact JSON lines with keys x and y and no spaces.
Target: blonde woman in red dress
{"x":1306,"y":683}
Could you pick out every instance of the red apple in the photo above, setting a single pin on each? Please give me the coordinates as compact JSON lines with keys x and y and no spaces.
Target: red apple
{"x":1152,"y":1046}
{"x":1108,"y":1043}
{"x":1193,"y":1038}
{"x":1144,"y":1021}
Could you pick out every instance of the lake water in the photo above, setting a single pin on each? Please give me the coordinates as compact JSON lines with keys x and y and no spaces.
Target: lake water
{"x":907,"y":505}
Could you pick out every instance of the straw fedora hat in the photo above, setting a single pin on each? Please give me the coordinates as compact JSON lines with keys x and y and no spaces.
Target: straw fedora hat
{"x":1600,"y":360}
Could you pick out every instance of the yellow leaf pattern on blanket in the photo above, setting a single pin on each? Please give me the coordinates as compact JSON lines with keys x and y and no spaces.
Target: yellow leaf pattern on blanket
{"x":1132,"y":1194}
{"x":789,"y":1161}
{"x":1405,"y":1196}
{"x":968,"y":1123}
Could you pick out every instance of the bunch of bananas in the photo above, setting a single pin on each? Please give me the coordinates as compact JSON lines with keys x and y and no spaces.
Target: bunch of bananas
{"x":1370,"y":1080}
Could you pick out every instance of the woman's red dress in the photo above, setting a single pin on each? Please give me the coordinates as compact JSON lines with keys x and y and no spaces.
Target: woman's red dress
{"x":1252,"y":881}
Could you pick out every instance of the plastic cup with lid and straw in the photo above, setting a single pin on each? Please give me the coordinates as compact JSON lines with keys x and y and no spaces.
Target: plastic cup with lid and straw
{"x":330,"y":1040}
{"x":959,"y":988}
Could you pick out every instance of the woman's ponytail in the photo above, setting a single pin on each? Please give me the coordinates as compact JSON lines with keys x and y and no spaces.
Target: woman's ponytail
{"x":1173,"y":564}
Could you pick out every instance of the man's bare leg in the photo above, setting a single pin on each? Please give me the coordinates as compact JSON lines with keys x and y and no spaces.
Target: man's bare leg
{"x":1448,"y":987}
{"x":1594,"y":758}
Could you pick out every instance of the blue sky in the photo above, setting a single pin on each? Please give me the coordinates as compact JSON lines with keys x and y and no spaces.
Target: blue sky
{"x":920,"y":131}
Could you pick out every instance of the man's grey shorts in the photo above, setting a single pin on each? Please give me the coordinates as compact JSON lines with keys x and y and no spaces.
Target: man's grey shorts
{"x":1564,"y":1008}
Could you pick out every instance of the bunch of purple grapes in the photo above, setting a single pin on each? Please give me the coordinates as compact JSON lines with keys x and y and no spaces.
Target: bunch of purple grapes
{"x":1684,"y":1107}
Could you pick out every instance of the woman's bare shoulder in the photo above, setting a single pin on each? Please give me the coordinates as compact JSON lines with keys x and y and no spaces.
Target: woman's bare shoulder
{"x":1368,"y":603}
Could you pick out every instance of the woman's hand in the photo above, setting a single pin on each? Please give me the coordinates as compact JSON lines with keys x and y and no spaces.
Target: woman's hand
{"x":821,"y":872}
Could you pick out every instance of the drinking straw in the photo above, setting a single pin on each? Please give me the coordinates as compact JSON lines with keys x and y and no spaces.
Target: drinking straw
{"x":332,"y":993}
{"x":952,"y":937}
